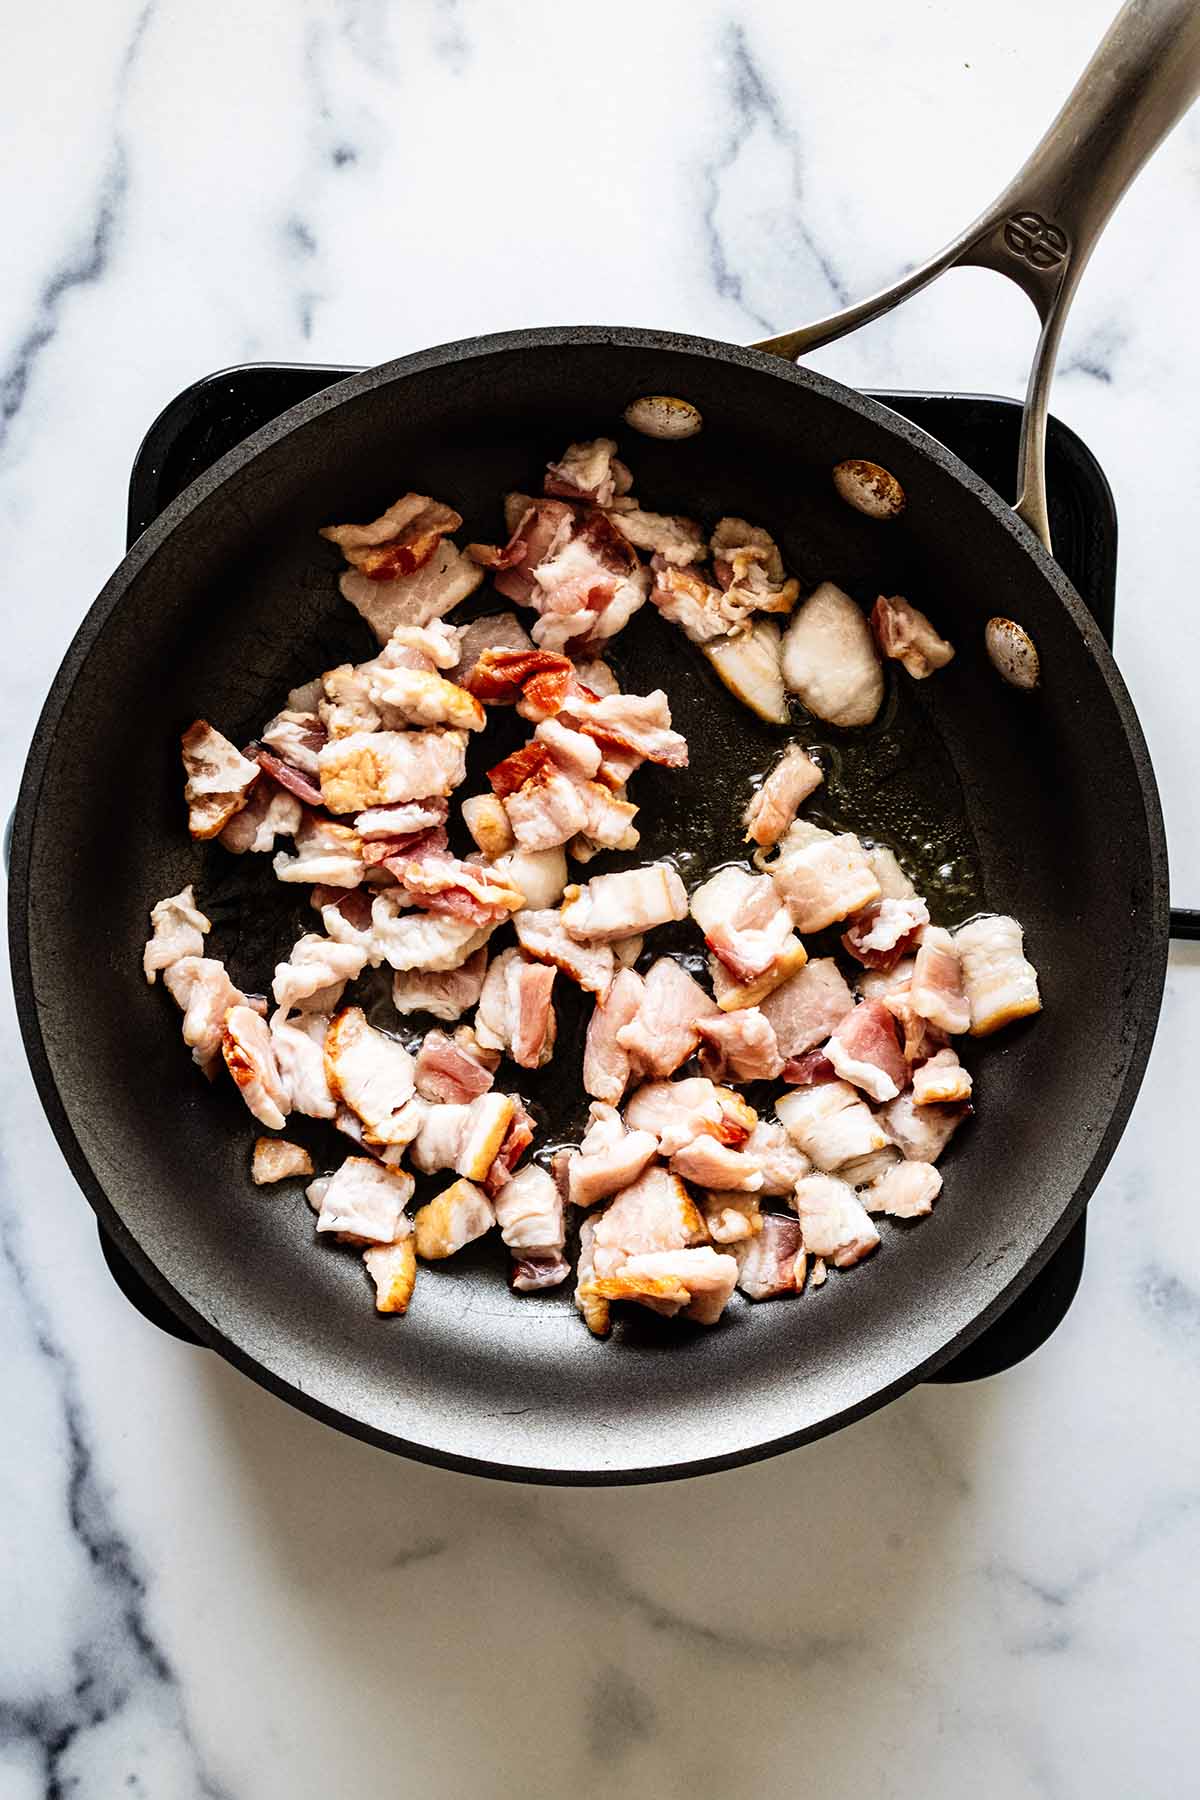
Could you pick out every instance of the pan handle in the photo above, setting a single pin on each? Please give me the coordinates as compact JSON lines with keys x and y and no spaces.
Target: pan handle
{"x":1042,"y":229}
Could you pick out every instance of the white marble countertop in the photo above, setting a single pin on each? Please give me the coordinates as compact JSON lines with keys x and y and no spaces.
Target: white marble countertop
{"x":982,"y":1589}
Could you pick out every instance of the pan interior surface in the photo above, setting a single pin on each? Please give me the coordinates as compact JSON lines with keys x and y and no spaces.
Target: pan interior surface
{"x":992,"y":794}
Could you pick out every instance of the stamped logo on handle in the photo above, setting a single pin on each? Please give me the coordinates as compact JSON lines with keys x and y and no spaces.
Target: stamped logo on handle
{"x":1035,"y":240}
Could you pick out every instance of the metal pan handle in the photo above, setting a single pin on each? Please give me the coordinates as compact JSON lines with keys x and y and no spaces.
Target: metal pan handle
{"x":1042,"y":229}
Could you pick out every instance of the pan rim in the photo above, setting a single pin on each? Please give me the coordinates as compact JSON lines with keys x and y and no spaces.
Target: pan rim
{"x":209,"y":483}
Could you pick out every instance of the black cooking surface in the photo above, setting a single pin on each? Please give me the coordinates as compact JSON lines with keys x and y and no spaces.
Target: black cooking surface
{"x":216,"y":414}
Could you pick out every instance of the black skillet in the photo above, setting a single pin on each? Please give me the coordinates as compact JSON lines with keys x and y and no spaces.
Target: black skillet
{"x":1042,"y":804}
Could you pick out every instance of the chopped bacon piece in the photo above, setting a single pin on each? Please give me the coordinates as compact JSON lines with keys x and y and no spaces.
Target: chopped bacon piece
{"x":201,"y":988}
{"x":634,"y":724}
{"x":523,"y":765}
{"x":295,"y":737}
{"x":363,"y":1202}
{"x":444,"y":884}
{"x":415,"y":599}
{"x":906,"y":1191}
{"x":513,"y":1146}
{"x":781,"y":1163}
{"x":1001,"y":984}
{"x":711,"y":1164}
{"x":178,"y":929}
{"x":250,"y":1058}
{"x":606,"y":1066}
{"x":864,"y":1050}
{"x":460,"y":1214}
{"x":740,"y":1046}
{"x":382,"y":768}
{"x":675,"y":1112}
{"x":385,"y":850}
{"x":940,"y":1079}
{"x":526,"y":1274}
{"x":400,"y":532}
{"x":832,"y":1124}
{"x":885,"y":931}
{"x":903,"y":632}
{"x":744,"y":921}
{"x":833,"y":1221}
{"x":608,"y":1159}
{"x":447,"y":995}
{"x":451,"y":1068}
{"x":922,"y":1132}
{"x":747,"y":563}
{"x":219,"y":779}
{"x":278,"y":1159}
{"x":540,"y":933}
{"x":774,"y":806}
{"x":500,"y":676}
{"x":529,"y":1212}
{"x":624,"y":903}
{"x":773,"y":1261}
{"x":539,"y":529}
{"x":937,"y":992}
{"x":822,"y":877}
{"x":588,"y":471}
{"x":269,"y":813}
{"x":516,"y":1011}
{"x":676,"y":539}
{"x":665,"y":1030}
{"x":393,"y":1269}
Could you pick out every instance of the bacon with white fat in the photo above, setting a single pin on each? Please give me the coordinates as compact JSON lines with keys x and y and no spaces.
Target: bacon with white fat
{"x":299,"y":1044}
{"x":773,"y":808}
{"x":940,"y":1079}
{"x":834,"y":1223}
{"x":781,"y":1163}
{"x":675,"y":1112}
{"x":294,"y":737}
{"x":711,"y":1164}
{"x":903,"y":632}
{"x":464,"y":1138}
{"x":315,"y":972}
{"x":270,"y":812}
{"x":589,"y":470}
{"x":249,"y":1054}
{"x":773,"y":1261}
{"x":1001,"y":983}
{"x":219,"y":779}
{"x":632,"y":724}
{"x":384,"y":768}
{"x":624,"y":903}
{"x":516,"y":1011}
{"x":744,"y":921}
{"x":529,"y":1212}
{"x":905,"y":1191}
{"x":200,"y":986}
{"x":609,"y":1158}
{"x":372,"y":1074}
{"x":178,"y":929}
{"x":606,"y":1066}
{"x":326,"y":853}
{"x":665,"y":1030}
{"x":740,"y":1046}
{"x":460,"y":1214}
{"x":822,"y":877}
{"x":806,"y":1008}
{"x":864,"y":1050}
{"x":677,"y":540}
{"x":922,"y":1132}
{"x":885,"y":931}
{"x":541,"y":934}
{"x":936,"y":990}
{"x":363,"y":1202}
{"x":832,"y":1125}
{"x":447,"y":995}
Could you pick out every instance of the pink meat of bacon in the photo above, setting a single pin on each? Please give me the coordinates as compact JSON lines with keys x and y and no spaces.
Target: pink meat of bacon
{"x":808,"y":1006}
{"x":864,"y":1050}
{"x":447,"y":1071}
{"x":937,"y":991}
{"x":442,"y":883}
{"x":744,"y":921}
{"x":636,"y":724}
{"x":539,"y":528}
{"x":606,"y":1066}
{"x":516,"y":1011}
{"x":774,"y":806}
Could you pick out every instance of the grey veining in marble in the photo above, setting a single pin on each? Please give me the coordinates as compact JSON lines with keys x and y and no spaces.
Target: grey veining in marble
{"x":202,"y":1593}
